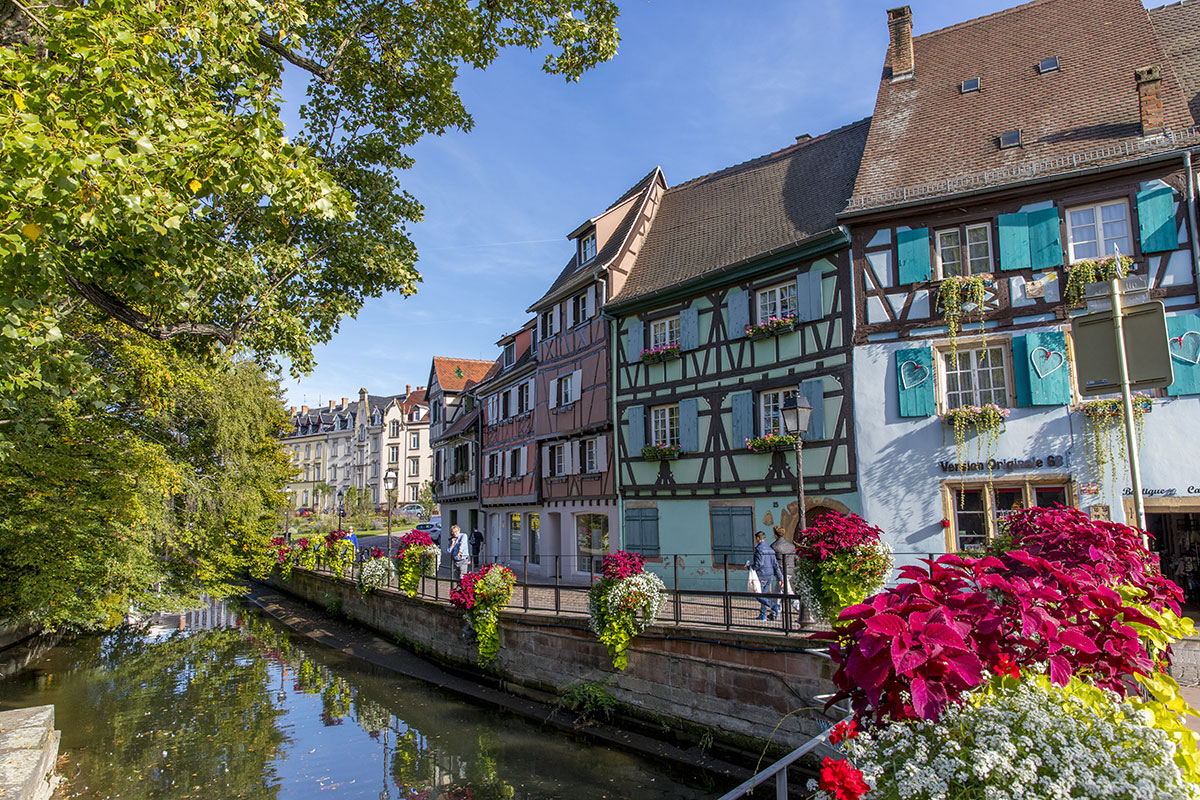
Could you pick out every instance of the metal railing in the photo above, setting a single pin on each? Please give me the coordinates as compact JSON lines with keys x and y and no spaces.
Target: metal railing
{"x":778,"y":770}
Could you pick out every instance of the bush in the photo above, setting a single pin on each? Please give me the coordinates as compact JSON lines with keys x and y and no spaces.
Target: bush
{"x":590,"y":701}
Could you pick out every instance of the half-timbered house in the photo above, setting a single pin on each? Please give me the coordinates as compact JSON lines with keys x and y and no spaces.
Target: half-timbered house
{"x":1018,"y":146}
{"x":454,"y":436}
{"x":739,"y":297}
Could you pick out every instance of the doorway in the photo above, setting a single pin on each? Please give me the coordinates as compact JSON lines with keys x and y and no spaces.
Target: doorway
{"x":1175,"y":536}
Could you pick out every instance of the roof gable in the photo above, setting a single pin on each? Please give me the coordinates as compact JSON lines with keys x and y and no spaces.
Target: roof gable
{"x":457,"y":374}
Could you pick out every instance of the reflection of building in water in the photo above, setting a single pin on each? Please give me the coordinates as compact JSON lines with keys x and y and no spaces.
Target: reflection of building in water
{"x":214,"y":615}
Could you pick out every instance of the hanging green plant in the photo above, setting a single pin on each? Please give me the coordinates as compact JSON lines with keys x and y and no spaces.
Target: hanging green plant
{"x":954,"y":294}
{"x":985,"y":422}
{"x":1105,"y":422}
{"x":1081,"y":273}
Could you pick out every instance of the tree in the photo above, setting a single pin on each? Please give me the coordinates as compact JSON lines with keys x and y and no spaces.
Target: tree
{"x":425,"y":498}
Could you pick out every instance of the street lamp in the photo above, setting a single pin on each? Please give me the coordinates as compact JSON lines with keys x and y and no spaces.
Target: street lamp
{"x":796,"y":414}
{"x":341,"y":508}
{"x":390,"y":479}
{"x":287,"y":515}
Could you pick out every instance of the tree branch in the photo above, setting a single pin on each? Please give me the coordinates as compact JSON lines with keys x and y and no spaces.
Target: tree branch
{"x":318,"y":69}
{"x":122,"y":312}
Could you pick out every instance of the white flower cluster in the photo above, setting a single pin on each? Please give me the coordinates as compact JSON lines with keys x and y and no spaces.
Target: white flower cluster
{"x":643,"y":593}
{"x":1034,"y":742}
{"x":374,"y":574}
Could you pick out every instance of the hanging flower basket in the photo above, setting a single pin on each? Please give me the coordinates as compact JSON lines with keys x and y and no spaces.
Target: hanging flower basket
{"x":624,"y":603}
{"x":771,"y":442}
{"x":1105,"y":423}
{"x":418,"y":556}
{"x":662,"y":352}
{"x":660,"y":452}
{"x":954,"y":295}
{"x":772,"y":327}
{"x":481,"y":595}
{"x":1081,"y":273}
{"x":841,"y":559}
{"x":985,"y":423}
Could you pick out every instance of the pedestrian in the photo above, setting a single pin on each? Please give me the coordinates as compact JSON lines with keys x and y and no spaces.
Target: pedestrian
{"x":766,"y":566}
{"x":785,"y":553}
{"x":460,"y":553}
{"x":476,"y":547}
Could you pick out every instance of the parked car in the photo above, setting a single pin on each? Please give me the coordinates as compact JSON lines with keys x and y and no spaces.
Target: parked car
{"x":415,"y":510}
{"x":433,"y":527}
{"x":304,"y":512}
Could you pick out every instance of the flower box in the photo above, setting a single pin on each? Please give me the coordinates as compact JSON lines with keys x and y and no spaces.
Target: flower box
{"x":772,"y":327}
{"x":660,"y":452}
{"x":771,"y":442}
{"x":662,"y":352}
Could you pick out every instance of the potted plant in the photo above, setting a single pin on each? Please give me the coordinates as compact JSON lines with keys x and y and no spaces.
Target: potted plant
{"x":1081,"y":273}
{"x":481,"y":595}
{"x":662,"y":352}
{"x":661,"y":452}
{"x":771,"y":326}
{"x":623,"y":603}
{"x":771,"y":442}
{"x":840,"y":560}
{"x":417,"y":556}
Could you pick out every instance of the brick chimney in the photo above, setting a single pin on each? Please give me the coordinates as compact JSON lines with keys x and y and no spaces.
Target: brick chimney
{"x":331,"y":405}
{"x":1149,"y":84}
{"x":407,"y":388}
{"x":345,"y":402}
{"x":900,"y":49}
{"x":303,"y":409}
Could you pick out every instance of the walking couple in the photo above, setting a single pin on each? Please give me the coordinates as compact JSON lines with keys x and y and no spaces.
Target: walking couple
{"x":767,"y":570}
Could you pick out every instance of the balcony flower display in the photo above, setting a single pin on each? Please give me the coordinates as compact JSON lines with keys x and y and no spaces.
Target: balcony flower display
{"x":624,"y":603}
{"x":482,"y":595}
{"x":771,"y":442}
{"x":986,"y":422}
{"x":661,"y":352}
{"x":771,"y":326}
{"x":1038,"y":672}
{"x":1081,"y":273}
{"x":661,"y":452}
{"x":306,"y":553}
{"x":417,"y":556}
{"x":840,"y":560}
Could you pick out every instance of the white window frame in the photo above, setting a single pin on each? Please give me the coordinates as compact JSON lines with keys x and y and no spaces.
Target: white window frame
{"x":395,"y":429}
{"x":579,"y":309}
{"x":393,"y":453}
{"x":414,"y":492}
{"x":514,"y":462}
{"x":975,"y":265}
{"x":590,"y":457}
{"x":664,"y":425}
{"x":557,"y":459}
{"x":566,"y":389}
{"x":414,"y":441}
{"x":769,"y":404}
{"x":587,"y":247}
{"x":510,"y":354}
{"x":970,"y":349}
{"x":664,"y":332}
{"x":523,"y":397}
{"x":1101,"y":241}
{"x":414,"y":467}
{"x":777,"y":301}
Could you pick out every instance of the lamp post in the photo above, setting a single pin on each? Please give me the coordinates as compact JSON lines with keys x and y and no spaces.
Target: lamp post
{"x":287,"y":515}
{"x":341,"y":507}
{"x":796,"y":414}
{"x":390,"y":479}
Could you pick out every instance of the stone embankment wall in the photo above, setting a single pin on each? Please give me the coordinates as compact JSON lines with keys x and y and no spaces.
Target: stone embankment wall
{"x":736,"y":686}
{"x":28,"y":753}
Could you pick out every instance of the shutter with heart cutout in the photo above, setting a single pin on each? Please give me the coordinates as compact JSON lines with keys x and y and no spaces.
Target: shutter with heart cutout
{"x":1040,"y":369}
{"x":914,"y":382}
{"x":1184,"y":344}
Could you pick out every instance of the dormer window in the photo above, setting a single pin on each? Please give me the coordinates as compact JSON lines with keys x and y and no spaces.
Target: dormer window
{"x":510,"y":354}
{"x":1048,"y":65}
{"x":969,"y":85}
{"x":587,"y":247}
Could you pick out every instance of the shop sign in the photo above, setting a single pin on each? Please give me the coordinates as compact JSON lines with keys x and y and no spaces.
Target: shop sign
{"x":1003,"y":464}
{"x":1169,"y":491}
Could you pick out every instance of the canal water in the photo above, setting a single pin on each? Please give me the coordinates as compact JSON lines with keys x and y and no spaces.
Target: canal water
{"x":223,"y":703}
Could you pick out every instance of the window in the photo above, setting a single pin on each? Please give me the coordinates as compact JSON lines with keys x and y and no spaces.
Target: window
{"x":374,"y":444}
{"x":547,"y":324}
{"x":308,"y":451}
{"x":493,"y":465}
{"x":333,"y":449}
{"x":414,"y":467}
{"x":664,"y":332}
{"x":591,"y":461}
{"x":514,"y":535}
{"x":414,"y":492}
{"x":566,"y":389}
{"x":374,"y":469}
{"x":505,"y":410}
{"x":778,"y":301}
{"x":587,"y":248}
{"x":394,"y":428}
{"x":333,"y":472}
{"x":316,"y":472}
{"x":393,"y":453}
{"x":318,"y":449}
{"x":591,"y":536}
{"x":1048,"y":65}
{"x":579,"y":308}
{"x":769,"y":404}
{"x":732,"y":533}
{"x":664,"y":425}
{"x":980,"y":512}
{"x":510,"y":354}
{"x":414,"y":442}
{"x":514,"y":463}
{"x":978,"y":256}
{"x":306,"y":498}
{"x":1098,"y":230}
{"x":1010,"y":139}
{"x":969,"y":85}
{"x":557,"y":464}
{"x":535,"y":527}
{"x":641,"y":531}
{"x":523,"y":398}
{"x":975,"y":377}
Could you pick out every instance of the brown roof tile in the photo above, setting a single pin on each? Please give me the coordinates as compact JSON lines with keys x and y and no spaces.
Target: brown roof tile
{"x":457,"y":374}
{"x":747,"y":210}
{"x":1178,"y":29}
{"x":924,"y":130}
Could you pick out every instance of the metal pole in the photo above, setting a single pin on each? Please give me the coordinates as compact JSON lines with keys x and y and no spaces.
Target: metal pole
{"x":728,"y":600}
{"x":678,"y":608}
{"x":800,"y":483}
{"x":389,"y":516}
{"x":1131,"y":443}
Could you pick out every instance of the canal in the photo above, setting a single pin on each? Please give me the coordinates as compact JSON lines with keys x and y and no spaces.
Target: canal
{"x":225,"y":703}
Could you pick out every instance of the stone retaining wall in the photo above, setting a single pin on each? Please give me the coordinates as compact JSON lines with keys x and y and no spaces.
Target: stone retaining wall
{"x":28,"y":753}
{"x":738,"y":687}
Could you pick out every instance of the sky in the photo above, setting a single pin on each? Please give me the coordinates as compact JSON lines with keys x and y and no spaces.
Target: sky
{"x":696,"y":86}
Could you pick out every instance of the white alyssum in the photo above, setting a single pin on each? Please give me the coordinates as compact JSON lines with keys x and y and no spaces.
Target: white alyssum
{"x":1034,"y":742}
{"x":374,"y":574}
{"x":643,"y":593}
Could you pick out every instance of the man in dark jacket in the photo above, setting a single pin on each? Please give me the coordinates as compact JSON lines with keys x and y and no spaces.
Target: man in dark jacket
{"x":766,"y":565}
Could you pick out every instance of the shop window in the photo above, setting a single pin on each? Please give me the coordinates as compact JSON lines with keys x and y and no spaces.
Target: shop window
{"x":535,"y":527}
{"x":979,"y":512}
{"x":514,"y":535}
{"x":1099,"y":230}
{"x":591,"y":536}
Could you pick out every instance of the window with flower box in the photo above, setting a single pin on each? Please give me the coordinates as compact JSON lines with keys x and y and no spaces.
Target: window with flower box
{"x":964,"y":250}
{"x":664,"y":332}
{"x":977,"y":512}
{"x":1099,"y":230}
{"x":975,"y":376}
{"x":769,"y":404}
{"x":664,"y":425}
{"x":777,"y":302}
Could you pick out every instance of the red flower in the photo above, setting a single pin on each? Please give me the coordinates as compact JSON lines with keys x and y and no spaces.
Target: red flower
{"x":1006,"y":666}
{"x":843,"y":731}
{"x":841,"y":780}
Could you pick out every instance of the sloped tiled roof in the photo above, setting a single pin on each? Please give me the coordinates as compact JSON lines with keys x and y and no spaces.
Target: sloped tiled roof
{"x":925,"y":131}
{"x":1178,"y":29}
{"x":747,"y":210}
{"x":457,"y":374}
{"x":461,"y":424}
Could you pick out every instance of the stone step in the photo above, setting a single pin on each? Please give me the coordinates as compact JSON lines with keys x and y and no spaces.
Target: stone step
{"x":28,"y":753}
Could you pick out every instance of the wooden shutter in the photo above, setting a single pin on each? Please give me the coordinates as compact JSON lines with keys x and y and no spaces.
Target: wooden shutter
{"x":737,"y":304}
{"x":689,"y":329}
{"x":635,"y":340}
{"x":524,"y":460}
{"x":576,"y":385}
{"x":912,"y":250}
{"x":742,"y":417}
{"x":636,"y":417}
{"x":571,"y":457}
{"x":810,"y":304}
{"x":546,"y":460}
{"x":814,"y":392}
{"x":601,"y":454}
{"x":689,"y":425}
{"x":733,"y":533}
{"x":1014,"y":242}
{"x":553,"y":399}
{"x":1156,"y":220}
{"x":1041,"y":370}
{"x":1045,"y":239}
{"x":1184,"y":343}
{"x":641,"y":531}
{"x":532,"y":392}
{"x":722,"y":532}
{"x":590,"y":311}
{"x":915,"y":382}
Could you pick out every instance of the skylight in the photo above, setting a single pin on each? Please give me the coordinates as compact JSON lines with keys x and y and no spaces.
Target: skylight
{"x":1048,"y":65}
{"x":969,"y":85}
{"x":1010,"y":139}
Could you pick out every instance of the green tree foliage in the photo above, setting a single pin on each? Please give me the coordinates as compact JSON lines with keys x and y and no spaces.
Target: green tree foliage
{"x":427,"y":500}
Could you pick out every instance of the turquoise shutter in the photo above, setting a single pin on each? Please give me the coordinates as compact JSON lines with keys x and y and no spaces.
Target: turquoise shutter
{"x":913,"y":255}
{"x":914,"y":382}
{"x":635,"y":340}
{"x":1014,"y":241}
{"x":809,"y":302}
{"x":1020,"y":353}
{"x":1044,"y":362}
{"x":1184,"y":333}
{"x":1156,"y":220}
{"x":1045,"y":239}
{"x":689,"y":329}
{"x":636,"y":416}
{"x":689,"y":425}
{"x":641,"y":531}
{"x":743,"y":418}
{"x":732,"y":533}
{"x":738,"y":304}
{"x":722,"y":532}
{"x":814,"y":391}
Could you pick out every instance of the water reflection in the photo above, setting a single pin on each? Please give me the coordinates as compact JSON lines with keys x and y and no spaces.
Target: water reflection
{"x":184,"y":707}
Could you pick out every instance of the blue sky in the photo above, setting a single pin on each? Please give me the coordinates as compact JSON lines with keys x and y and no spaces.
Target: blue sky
{"x":697,"y":85}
